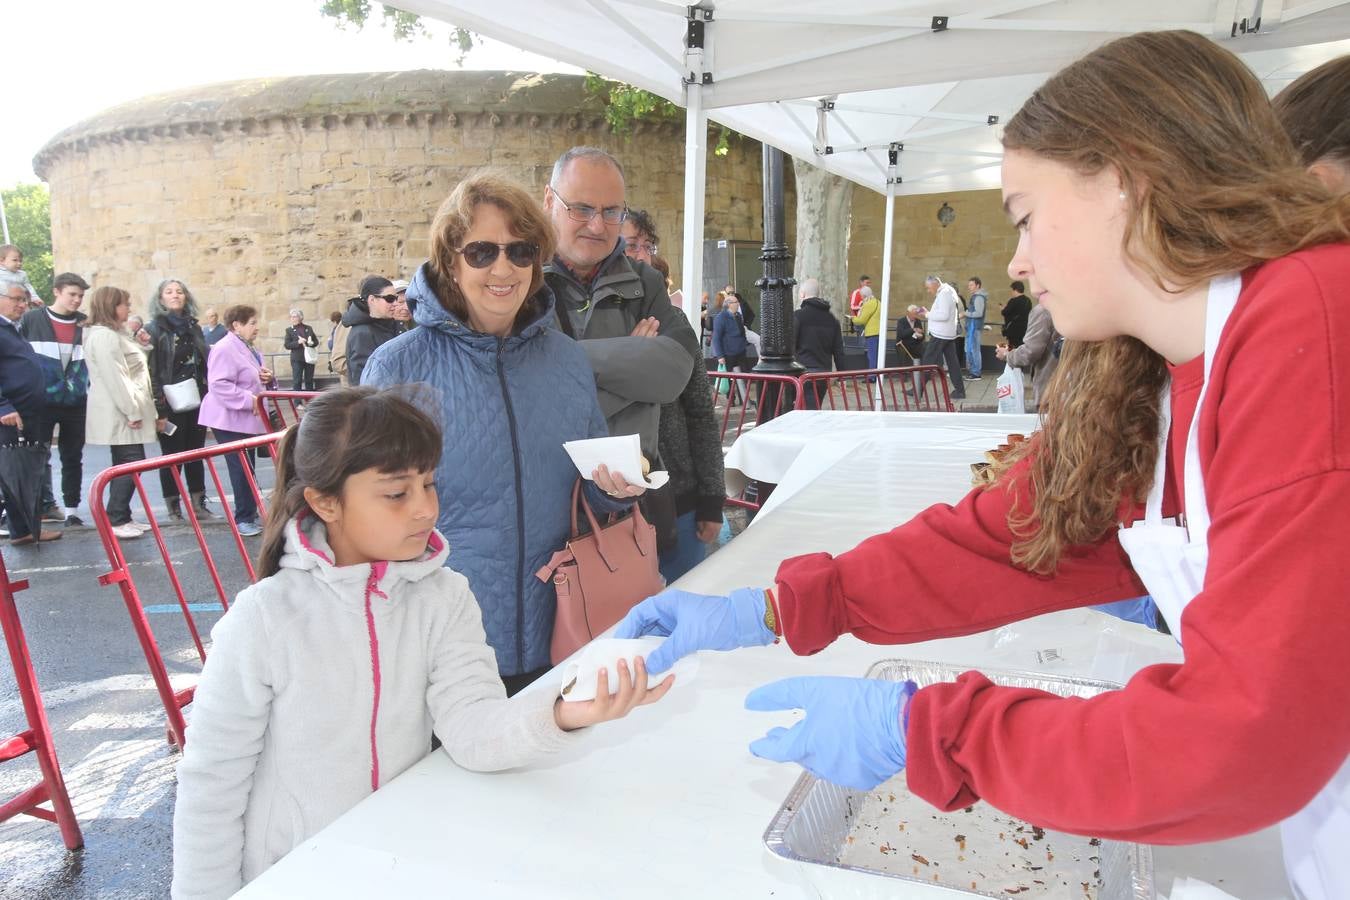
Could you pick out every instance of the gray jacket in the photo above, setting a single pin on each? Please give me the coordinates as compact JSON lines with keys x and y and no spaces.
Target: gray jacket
{"x":691,"y":450}
{"x":1035,"y":354}
{"x":633,"y":376}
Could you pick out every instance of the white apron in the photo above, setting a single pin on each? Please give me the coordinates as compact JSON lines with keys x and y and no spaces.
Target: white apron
{"x":1171,"y":560}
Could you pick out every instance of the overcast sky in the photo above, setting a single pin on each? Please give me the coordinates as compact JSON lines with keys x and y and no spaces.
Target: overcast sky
{"x":67,"y":59}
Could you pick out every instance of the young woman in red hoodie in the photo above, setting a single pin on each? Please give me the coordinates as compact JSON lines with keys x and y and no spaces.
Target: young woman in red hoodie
{"x":1193,"y":265}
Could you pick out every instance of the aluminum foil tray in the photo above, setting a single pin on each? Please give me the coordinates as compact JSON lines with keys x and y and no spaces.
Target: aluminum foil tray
{"x":812,"y":826}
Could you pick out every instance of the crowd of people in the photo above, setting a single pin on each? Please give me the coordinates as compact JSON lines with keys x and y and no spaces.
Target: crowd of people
{"x":423,"y":500}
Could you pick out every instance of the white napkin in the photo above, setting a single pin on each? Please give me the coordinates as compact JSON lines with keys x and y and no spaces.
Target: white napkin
{"x":621,"y":454}
{"x":1195,"y":889}
{"x":579,"y":676}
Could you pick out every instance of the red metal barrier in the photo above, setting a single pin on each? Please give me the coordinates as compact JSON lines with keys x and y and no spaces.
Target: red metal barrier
{"x":120,"y":572}
{"x":281,"y":409}
{"x":742,"y":401}
{"x":907,"y":389}
{"x":38,"y":738}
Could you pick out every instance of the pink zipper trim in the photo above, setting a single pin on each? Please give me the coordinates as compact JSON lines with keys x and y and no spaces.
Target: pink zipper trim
{"x":304,"y":538}
{"x":377,"y":570}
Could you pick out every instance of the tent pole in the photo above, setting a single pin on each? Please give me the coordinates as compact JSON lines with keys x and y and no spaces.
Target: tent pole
{"x":883,"y":339}
{"x":695,"y":165}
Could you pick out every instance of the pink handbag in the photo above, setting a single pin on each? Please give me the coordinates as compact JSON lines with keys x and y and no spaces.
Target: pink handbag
{"x":600,"y":575}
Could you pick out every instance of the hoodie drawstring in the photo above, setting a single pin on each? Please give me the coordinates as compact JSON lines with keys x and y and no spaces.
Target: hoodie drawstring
{"x":377,"y":571}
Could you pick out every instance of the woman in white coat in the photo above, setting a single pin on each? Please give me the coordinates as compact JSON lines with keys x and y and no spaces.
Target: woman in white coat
{"x":121,"y":407}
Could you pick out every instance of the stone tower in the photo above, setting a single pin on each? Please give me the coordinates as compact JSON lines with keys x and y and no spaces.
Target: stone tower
{"x":285,"y":192}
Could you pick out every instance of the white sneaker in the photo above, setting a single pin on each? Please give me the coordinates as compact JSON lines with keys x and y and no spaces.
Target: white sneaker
{"x":143,"y":526}
{"x":126,"y":531}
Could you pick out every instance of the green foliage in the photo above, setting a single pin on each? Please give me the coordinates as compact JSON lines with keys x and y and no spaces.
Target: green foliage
{"x":405,"y":25}
{"x":29,"y":213}
{"x":625,"y":105}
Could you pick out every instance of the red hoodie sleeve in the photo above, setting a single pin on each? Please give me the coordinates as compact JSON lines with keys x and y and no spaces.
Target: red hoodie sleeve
{"x":944,"y":573}
{"x":1239,"y":737}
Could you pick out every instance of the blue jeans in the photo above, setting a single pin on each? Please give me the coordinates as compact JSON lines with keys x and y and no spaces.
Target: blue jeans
{"x":688,"y":552}
{"x":245,"y":504}
{"x":973,"y":329}
{"x":872,"y":343}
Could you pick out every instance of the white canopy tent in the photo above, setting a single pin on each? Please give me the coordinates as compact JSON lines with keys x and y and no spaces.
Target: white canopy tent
{"x":900,"y":96}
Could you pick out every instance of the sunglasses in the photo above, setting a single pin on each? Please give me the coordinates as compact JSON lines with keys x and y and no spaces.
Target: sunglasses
{"x":390,"y":298}
{"x":481,"y":254}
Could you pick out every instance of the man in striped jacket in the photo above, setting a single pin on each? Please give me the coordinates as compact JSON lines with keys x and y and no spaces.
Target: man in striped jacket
{"x":55,"y":333}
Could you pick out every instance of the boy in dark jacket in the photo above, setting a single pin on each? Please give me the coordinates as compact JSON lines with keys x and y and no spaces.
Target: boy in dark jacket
{"x":56,"y":335}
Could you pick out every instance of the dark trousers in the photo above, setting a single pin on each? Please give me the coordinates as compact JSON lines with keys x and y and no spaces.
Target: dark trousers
{"x":122,"y":489}
{"x":939,"y":350}
{"x":517,"y":683}
{"x":189,"y":436}
{"x":302,"y":376}
{"x":739,"y":389}
{"x":70,"y":445}
{"x":23,"y":464}
{"x":814,"y":390}
{"x":245,"y":504}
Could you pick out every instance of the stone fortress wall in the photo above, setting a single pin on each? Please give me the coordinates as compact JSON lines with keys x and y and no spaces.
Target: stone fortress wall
{"x":284,"y":192}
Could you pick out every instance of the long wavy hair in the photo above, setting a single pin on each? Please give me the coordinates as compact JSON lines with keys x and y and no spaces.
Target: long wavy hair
{"x":1217,"y":188}
{"x":155,"y":307}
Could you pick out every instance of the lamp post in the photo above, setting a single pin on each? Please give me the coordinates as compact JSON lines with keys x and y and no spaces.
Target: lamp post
{"x":775,"y":285}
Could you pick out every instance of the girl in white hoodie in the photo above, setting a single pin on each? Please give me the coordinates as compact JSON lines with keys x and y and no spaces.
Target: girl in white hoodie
{"x":329,"y":676}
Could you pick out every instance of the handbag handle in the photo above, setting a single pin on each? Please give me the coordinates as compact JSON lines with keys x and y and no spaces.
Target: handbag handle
{"x":637,"y":519}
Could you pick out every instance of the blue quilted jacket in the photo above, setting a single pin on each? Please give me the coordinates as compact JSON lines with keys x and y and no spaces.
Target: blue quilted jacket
{"x":504,"y":481}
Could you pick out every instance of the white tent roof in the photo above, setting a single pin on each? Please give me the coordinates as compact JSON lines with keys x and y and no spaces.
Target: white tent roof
{"x":895,"y":71}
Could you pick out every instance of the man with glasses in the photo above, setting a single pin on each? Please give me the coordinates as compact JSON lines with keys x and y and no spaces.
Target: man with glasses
{"x":641,"y":348}
{"x":373,"y":319}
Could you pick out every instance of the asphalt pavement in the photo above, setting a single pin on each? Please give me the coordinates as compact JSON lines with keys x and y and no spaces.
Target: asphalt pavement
{"x":106,"y":717}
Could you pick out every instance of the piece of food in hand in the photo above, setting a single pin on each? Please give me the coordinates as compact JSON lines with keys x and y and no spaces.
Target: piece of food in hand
{"x":580,"y":674}
{"x":646,"y":467}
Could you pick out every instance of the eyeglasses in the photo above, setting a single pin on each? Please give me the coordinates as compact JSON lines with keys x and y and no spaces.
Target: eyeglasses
{"x":392,"y":298}
{"x":481,"y":254}
{"x":638,"y":246}
{"x":580,"y":212}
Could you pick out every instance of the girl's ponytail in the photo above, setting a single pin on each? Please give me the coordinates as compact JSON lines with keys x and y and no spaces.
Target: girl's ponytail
{"x":288,"y":499}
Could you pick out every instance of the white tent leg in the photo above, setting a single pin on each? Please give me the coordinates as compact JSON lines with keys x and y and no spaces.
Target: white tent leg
{"x":884,"y":336}
{"x":695,"y":178}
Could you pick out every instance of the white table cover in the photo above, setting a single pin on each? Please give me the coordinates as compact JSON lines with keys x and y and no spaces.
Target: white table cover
{"x":668,"y":803}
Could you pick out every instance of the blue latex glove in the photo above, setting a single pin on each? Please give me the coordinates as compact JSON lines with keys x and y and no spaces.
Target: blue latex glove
{"x":697,"y":622}
{"x":853,"y":733}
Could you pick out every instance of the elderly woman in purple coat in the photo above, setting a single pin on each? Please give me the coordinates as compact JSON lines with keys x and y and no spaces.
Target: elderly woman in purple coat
{"x":235,"y":376}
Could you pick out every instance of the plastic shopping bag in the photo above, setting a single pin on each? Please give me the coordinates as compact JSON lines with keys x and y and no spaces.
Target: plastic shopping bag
{"x":723,"y":384}
{"x":1011,"y":393}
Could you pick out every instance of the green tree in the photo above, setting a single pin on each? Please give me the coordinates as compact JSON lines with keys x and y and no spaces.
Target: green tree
{"x":28,"y":210}
{"x":624,"y":104}
{"x":406,"y":25}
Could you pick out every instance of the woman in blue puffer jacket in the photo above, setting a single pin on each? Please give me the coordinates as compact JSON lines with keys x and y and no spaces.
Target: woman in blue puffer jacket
{"x":511,"y":389}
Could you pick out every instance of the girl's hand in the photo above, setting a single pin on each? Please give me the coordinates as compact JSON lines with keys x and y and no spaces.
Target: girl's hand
{"x":633,"y":692}
{"x":265,"y":375}
{"x":616,"y":485}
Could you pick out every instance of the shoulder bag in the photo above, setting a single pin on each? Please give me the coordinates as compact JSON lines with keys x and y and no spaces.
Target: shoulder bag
{"x":600,"y":575}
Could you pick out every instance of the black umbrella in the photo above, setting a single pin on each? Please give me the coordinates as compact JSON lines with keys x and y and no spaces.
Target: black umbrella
{"x":21,"y":468}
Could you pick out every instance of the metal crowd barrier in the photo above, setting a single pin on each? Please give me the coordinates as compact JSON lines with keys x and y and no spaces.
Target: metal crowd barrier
{"x":904,"y":389}
{"x":38,"y":738}
{"x":121,"y":566}
{"x":282,"y":409}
